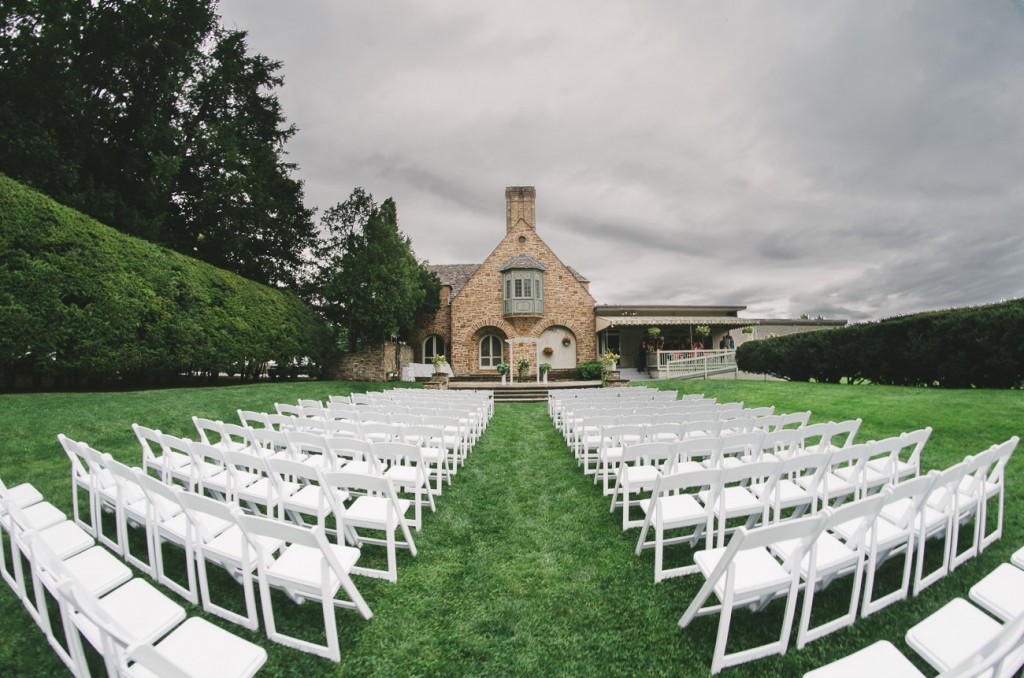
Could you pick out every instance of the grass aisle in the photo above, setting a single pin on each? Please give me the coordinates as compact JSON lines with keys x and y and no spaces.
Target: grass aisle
{"x":522,"y":571}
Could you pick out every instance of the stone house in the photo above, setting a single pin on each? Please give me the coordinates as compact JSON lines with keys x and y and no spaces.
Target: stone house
{"x":524,"y":301}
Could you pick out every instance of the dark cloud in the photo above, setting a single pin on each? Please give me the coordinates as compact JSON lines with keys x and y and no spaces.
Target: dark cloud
{"x":842,"y":159}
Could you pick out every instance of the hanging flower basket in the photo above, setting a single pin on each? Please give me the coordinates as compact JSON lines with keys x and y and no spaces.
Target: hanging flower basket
{"x":548,"y":351}
{"x":566,"y":340}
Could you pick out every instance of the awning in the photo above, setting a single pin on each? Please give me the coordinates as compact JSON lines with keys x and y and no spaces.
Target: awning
{"x":604,"y":322}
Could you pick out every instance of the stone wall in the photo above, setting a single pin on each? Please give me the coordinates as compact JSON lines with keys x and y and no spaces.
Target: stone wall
{"x":440,"y":324}
{"x":373,"y":363}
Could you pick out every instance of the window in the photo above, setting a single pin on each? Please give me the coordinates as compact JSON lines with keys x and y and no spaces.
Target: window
{"x":432,"y":346}
{"x":524,"y":292}
{"x":490,"y":352}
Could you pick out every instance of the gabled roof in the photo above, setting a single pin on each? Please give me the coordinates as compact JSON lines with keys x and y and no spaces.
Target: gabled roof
{"x":522,"y":261}
{"x":579,"y":276}
{"x":454,"y":275}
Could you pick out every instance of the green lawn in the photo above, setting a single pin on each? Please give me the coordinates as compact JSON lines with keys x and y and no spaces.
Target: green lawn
{"x":522,"y":570}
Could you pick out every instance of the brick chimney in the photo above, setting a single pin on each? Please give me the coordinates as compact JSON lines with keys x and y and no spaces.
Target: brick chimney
{"x":520,"y":206}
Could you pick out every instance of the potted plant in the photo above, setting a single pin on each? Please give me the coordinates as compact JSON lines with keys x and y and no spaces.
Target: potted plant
{"x":748,"y":330}
{"x":548,"y":351}
{"x":654,"y":333}
{"x":608,"y":370}
{"x":544,"y":369}
{"x":523,"y":368}
{"x":566,"y":340}
{"x":503,"y":370}
{"x":440,"y":362}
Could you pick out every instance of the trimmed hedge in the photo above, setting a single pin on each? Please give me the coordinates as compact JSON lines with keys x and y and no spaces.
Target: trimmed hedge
{"x":981,"y":347}
{"x":81,"y":302}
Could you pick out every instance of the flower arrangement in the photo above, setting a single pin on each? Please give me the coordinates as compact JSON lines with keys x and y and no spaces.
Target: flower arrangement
{"x":566,"y":340}
{"x":702,"y":330}
{"x":503,"y":369}
{"x":439,"y":361}
{"x":654,"y":332}
{"x":523,"y":367}
{"x":609,"y":359}
{"x":544,"y":368}
{"x":548,"y":351}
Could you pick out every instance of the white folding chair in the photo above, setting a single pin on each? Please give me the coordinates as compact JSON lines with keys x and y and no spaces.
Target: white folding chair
{"x":745,"y":574}
{"x":376,"y":507}
{"x":166,"y":522}
{"x":955,"y":633}
{"x":209,"y":541}
{"x":308,"y":568}
{"x":52,"y":527}
{"x":130,"y":509}
{"x":161,"y":463}
{"x":737,"y":498}
{"x":614,"y":439}
{"x":103,"y":577}
{"x":82,"y":479}
{"x":671,"y":508}
{"x":638,"y":469}
{"x":1001,"y":592}
{"x":897,"y":530}
{"x":404,"y":465}
{"x":180,"y":467}
{"x":911,"y":467}
{"x":995,"y":488}
{"x":830,"y":558}
{"x":196,"y":648}
{"x":430,"y":440}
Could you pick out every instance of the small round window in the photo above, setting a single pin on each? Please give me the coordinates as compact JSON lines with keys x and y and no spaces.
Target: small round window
{"x":522,"y":240}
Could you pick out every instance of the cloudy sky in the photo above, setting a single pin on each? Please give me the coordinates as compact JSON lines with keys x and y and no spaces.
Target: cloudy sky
{"x":852,"y":158}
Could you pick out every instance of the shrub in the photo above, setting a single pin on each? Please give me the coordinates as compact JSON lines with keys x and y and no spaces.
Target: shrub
{"x":589,"y":370}
{"x":979,"y":347}
{"x":86,"y":304}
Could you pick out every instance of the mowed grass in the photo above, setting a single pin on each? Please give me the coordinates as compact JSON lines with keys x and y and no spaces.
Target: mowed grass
{"x":522,"y":570}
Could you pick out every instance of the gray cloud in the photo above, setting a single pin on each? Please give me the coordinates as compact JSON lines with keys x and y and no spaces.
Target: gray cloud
{"x":846,"y":159}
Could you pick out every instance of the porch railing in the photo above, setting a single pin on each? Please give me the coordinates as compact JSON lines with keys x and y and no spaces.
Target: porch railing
{"x":682,"y":364}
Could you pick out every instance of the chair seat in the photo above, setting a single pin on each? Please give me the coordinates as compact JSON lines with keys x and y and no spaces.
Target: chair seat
{"x":831,"y":486}
{"x":307,"y":500}
{"x":739,"y":501}
{"x":832,"y":555}
{"x":757,"y":572}
{"x":141,"y":608}
{"x":301,"y":566}
{"x":170,"y":460}
{"x":787,"y":494}
{"x":678,"y":510}
{"x":98,"y":570}
{"x":24,"y":495}
{"x":952,"y":634}
{"x":1001,"y":592}
{"x":66,"y":539}
{"x":372,"y":511}
{"x":638,"y":476}
{"x":176,"y":527}
{"x":610,"y":454}
{"x":207,"y":651}
{"x":226,"y":547}
{"x":880,"y":659}
{"x":40,"y":516}
{"x":405,"y":476}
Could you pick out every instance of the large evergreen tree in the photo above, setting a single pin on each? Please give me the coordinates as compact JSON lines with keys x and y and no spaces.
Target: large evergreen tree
{"x":369,"y":282}
{"x":147,"y":116}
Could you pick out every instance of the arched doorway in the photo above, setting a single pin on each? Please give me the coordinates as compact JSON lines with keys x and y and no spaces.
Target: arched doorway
{"x":562,"y":343}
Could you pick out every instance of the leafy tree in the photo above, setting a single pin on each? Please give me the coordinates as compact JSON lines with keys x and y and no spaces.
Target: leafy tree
{"x":235,"y":204}
{"x":369,"y":282}
{"x":147,"y":116}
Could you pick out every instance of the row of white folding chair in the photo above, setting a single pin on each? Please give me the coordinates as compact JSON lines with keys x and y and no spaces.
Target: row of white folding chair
{"x":452,"y":436}
{"x":778,"y":561}
{"x":958,"y":639}
{"x":469,"y":427}
{"x":562,"y":398}
{"x":256,"y":476}
{"x":741,"y":443}
{"x":136,"y":629}
{"x":289,"y":461}
{"x":213,"y":531}
{"x":562,"y":410}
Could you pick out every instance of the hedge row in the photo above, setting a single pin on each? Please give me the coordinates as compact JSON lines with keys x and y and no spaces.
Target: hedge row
{"x":981,"y":346}
{"x":86,"y":304}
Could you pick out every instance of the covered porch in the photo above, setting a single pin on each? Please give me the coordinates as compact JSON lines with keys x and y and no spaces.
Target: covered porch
{"x":681,"y":337}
